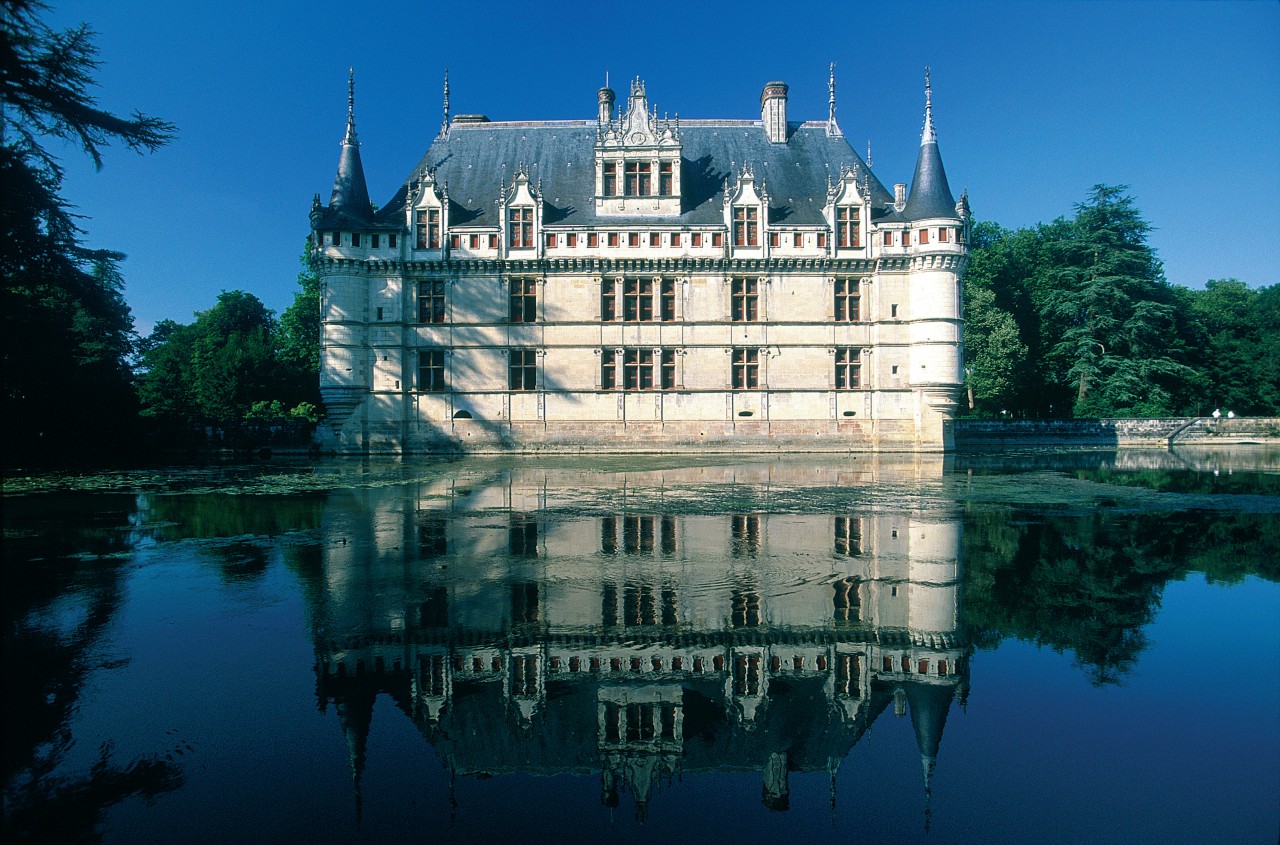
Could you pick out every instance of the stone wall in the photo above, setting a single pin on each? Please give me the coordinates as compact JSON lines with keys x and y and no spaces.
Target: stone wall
{"x":1157,"y":433}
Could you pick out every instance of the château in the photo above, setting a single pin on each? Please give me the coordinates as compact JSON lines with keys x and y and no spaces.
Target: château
{"x":638,"y":283}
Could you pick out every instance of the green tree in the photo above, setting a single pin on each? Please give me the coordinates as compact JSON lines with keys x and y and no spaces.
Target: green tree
{"x":215,"y":369}
{"x":298,"y":345}
{"x":1239,"y":333}
{"x":1119,"y":331}
{"x":67,"y":329}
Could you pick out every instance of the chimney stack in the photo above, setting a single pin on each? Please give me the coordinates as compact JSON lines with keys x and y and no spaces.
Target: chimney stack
{"x":773,"y":111}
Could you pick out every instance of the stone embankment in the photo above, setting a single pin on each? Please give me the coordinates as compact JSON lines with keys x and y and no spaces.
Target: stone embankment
{"x":1148,"y":433}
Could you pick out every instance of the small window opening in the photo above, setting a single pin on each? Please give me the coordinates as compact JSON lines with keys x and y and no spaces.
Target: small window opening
{"x":462,"y":415}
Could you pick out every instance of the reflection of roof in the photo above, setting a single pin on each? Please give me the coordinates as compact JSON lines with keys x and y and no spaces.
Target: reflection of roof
{"x":474,"y":160}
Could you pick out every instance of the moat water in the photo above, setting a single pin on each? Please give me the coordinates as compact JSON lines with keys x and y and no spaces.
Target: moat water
{"x":1041,"y":647}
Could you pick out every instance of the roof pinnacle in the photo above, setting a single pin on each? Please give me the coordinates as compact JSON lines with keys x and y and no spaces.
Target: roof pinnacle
{"x":928,"y":136}
{"x":444,"y":126}
{"x":350,"y":137}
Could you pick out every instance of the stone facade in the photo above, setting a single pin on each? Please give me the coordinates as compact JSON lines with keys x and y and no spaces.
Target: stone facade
{"x":636,"y":283}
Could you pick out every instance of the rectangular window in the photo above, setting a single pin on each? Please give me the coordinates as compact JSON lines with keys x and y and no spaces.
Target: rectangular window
{"x":431,"y":370}
{"x":637,"y":300}
{"x":744,"y":300}
{"x":455,"y":241}
{"x":746,"y":225}
{"x":337,"y":239}
{"x":520,"y":227}
{"x":608,"y":301}
{"x":427,"y":228}
{"x":613,"y":239}
{"x":888,"y":238}
{"x":822,"y":240}
{"x":373,"y":241}
{"x":638,"y":179}
{"x":848,"y":368}
{"x":572,"y":239}
{"x":923,"y":237}
{"x":655,"y":239}
{"x":942,"y":236}
{"x":391,"y":240}
{"x":610,"y":179}
{"x":355,"y":239}
{"x":551,"y":240}
{"x":697,"y":239}
{"x":848,"y":232}
{"x":608,"y":370}
{"x":523,"y":372}
{"x":524,"y":300}
{"x":668,"y":372}
{"x":473,"y":241}
{"x":797,"y":240}
{"x":637,"y":369}
{"x":633,"y":239}
{"x":675,"y":239}
{"x":493,"y":242}
{"x":717,"y":239}
{"x":774,"y":239}
{"x":746,"y":368}
{"x":847,"y":301}
{"x":431,"y":301}
{"x":665,"y":171}
{"x":668,"y":300}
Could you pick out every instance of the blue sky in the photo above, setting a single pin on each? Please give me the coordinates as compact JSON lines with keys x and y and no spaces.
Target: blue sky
{"x":1034,"y":104}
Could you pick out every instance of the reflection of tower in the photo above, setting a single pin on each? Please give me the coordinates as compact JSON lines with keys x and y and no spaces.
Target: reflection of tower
{"x":640,"y":645}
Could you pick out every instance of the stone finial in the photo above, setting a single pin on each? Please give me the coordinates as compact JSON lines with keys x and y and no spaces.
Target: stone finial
{"x":928,"y":136}
{"x":444,"y":125}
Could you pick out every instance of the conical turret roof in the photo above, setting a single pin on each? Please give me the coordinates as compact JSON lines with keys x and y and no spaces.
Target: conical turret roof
{"x":930,"y":195}
{"x":350,"y":197}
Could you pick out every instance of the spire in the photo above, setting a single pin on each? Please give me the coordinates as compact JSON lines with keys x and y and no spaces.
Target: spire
{"x":832,"y":128}
{"x":928,"y":137}
{"x":930,"y":195}
{"x":444,"y":126}
{"x":350,"y":193}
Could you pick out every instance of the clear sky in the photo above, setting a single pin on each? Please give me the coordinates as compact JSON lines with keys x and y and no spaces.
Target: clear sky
{"x":1034,"y":104}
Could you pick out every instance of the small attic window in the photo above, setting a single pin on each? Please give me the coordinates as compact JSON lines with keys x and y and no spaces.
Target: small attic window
{"x":373,"y":241}
{"x":391,"y":241}
{"x":355,"y":239}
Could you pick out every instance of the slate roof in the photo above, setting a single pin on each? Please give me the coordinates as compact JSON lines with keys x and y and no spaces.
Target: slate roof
{"x":474,"y":159}
{"x":930,"y":195}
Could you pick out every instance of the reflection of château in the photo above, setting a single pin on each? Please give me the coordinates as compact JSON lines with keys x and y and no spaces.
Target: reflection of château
{"x":638,"y":645}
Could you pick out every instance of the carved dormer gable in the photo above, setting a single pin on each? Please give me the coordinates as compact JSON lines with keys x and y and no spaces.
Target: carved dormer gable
{"x":427,"y":211}
{"x":746,"y":212}
{"x":520,"y":209}
{"x":848,"y":209}
{"x":638,"y":160}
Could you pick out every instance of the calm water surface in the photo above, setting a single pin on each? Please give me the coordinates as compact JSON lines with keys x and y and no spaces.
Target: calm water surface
{"x":1073,"y":647}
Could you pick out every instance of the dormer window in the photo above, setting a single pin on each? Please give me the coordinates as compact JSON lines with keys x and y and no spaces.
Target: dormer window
{"x":847,"y":228}
{"x":665,"y":170}
{"x":746,"y":225}
{"x":427,"y":223}
{"x":611,"y":179}
{"x":520,"y":227}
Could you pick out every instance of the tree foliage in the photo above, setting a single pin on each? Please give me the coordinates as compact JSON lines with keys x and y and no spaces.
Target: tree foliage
{"x":236,"y":363}
{"x":1075,"y":318}
{"x":67,"y":332}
